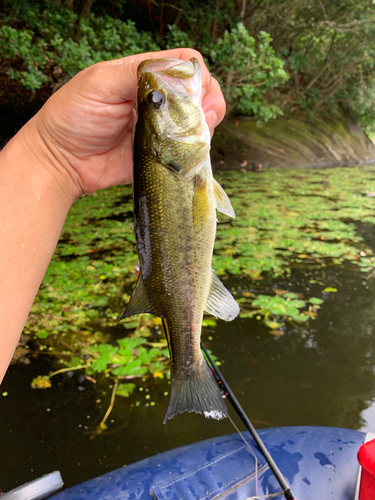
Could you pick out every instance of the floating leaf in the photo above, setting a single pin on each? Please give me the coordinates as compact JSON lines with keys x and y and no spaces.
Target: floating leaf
{"x":277,"y":333}
{"x":282,"y":220}
{"x":125,"y":390}
{"x":315,"y":301}
{"x":41,"y":382}
{"x":76,"y":361}
{"x":42,"y":334}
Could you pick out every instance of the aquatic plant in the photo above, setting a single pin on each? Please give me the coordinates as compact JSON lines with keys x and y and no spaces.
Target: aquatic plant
{"x":284,"y":220}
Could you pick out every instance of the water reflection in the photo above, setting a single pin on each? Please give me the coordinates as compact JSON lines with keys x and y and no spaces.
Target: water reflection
{"x":323,"y":377}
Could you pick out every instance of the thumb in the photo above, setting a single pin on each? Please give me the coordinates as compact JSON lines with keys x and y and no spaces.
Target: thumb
{"x":116,"y":81}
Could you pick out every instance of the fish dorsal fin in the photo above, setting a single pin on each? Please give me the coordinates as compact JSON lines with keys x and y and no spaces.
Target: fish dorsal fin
{"x":139,"y":301}
{"x":220,"y":302}
{"x":223,"y":203}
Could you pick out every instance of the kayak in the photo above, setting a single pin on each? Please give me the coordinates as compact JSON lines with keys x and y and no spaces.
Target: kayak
{"x":318,"y":462}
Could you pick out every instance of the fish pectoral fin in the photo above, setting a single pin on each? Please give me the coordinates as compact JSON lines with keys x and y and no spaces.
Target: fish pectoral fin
{"x":223,"y":203}
{"x":220,"y":302}
{"x":139,"y":301}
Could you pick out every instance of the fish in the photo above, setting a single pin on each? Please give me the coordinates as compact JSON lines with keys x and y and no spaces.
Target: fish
{"x":175,"y":200}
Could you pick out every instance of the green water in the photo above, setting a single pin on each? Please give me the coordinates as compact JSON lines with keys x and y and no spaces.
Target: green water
{"x":305,"y":232}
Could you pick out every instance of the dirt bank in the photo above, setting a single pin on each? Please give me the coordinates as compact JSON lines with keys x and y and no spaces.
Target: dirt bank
{"x":290,"y":141}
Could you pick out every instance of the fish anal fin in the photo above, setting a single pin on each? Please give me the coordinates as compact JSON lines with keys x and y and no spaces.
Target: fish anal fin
{"x":139,"y":301}
{"x":223,"y":203}
{"x":195,"y":390}
{"x":220,"y":302}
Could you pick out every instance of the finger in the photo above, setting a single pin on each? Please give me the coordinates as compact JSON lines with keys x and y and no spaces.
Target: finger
{"x":214,"y":105}
{"x":180,"y":53}
{"x":117,"y":79}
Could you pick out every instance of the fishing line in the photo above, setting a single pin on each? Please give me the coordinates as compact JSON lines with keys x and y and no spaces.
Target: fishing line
{"x":251,"y":451}
{"x":287,"y":492}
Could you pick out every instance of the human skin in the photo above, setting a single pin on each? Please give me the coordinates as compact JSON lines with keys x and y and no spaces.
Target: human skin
{"x":79,"y":142}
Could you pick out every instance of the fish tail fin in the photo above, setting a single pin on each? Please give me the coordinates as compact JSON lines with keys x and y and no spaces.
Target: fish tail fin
{"x":195,"y":391}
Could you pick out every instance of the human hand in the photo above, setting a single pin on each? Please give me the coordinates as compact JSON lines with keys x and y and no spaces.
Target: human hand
{"x":86,"y":127}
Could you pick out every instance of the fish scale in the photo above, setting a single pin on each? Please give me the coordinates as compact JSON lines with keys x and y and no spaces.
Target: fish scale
{"x":170,"y":229}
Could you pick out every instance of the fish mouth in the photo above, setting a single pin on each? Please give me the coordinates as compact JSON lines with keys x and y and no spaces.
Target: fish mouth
{"x":179,"y":75}
{"x":170,"y":66}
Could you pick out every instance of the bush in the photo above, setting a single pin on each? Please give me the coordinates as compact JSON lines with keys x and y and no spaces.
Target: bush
{"x":247,"y":70}
{"x":56,"y":37}
{"x":48,"y":41}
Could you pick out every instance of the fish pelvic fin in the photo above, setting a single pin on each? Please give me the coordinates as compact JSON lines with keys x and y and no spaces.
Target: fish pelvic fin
{"x":194,"y":389}
{"x":220,"y":302}
{"x":223,"y":203}
{"x":139,"y":301}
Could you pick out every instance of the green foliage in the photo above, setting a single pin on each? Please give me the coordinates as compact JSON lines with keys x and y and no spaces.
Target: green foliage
{"x":41,"y":382}
{"x":55,"y":35}
{"x":54,"y":41}
{"x":360,"y":101}
{"x":269,"y":56}
{"x":248,"y":70}
{"x":274,"y":310}
{"x":125,"y":390}
{"x":177,"y":38}
{"x":328,"y":49}
{"x":315,"y":301}
{"x":20,"y":44}
{"x":206,"y":21}
{"x":103,"y":38}
{"x":131,"y":358}
{"x":292,"y":218}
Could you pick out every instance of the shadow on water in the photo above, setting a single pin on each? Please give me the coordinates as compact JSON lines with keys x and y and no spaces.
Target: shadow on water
{"x":325,"y":376}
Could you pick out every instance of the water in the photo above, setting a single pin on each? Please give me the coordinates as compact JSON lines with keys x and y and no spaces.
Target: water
{"x":324,"y":377}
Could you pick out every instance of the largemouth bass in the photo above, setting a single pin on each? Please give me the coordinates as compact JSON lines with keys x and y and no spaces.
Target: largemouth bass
{"x":175,"y":202}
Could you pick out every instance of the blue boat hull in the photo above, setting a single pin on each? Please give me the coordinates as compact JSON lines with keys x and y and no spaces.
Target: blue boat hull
{"x":318,"y":462}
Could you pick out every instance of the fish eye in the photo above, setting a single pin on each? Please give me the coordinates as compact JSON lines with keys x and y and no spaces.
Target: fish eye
{"x":155,"y":99}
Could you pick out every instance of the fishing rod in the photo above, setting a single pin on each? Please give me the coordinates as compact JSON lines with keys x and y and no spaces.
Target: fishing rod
{"x":287,"y":492}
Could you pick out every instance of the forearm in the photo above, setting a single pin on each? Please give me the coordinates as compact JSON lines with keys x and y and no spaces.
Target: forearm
{"x":35,"y":198}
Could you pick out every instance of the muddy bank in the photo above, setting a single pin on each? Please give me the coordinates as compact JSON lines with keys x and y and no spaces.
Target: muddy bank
{"x":290,"y":141}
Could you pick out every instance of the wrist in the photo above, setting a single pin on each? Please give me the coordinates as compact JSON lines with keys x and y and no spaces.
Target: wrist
{"x":47,"y":160}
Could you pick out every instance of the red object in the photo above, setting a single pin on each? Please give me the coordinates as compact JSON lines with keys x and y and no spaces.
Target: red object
{"x":366,"y":458}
